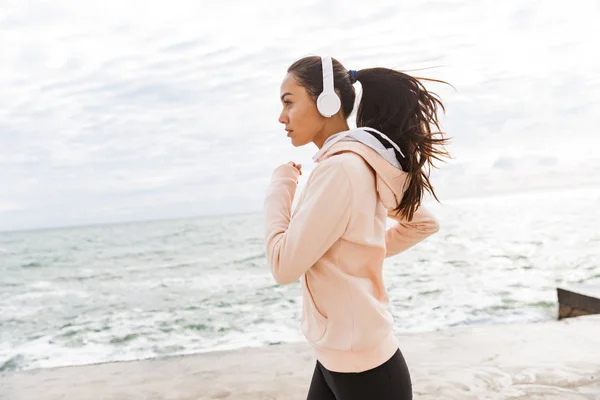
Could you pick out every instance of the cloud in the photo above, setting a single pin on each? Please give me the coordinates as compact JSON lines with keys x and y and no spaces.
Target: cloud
{"x":116,"y":110}
{"x":505,"y":163}
{"x":527,"y":161}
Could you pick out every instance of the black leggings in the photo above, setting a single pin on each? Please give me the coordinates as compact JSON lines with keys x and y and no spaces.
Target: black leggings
{"x":389,"y":381}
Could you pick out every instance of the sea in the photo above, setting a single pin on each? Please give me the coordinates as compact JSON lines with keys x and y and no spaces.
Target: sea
{"x":93,"y":294}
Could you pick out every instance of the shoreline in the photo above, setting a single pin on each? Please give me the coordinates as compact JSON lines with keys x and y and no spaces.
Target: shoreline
{"x":549,"y":360}
{"x":227,"y":349}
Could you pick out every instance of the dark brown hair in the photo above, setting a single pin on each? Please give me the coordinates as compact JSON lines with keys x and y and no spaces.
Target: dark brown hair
{"x":396,"y":104}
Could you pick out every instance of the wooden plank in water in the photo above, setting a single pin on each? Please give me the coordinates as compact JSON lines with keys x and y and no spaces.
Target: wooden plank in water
{"x":578,"y":300}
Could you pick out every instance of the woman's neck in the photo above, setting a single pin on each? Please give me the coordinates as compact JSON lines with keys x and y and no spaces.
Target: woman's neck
{"x":330,"y":129}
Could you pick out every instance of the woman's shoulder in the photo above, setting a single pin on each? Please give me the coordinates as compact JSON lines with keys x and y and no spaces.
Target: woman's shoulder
{"x":353,"y":163}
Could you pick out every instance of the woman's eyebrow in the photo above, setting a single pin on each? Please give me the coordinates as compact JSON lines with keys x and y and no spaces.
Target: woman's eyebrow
{"x":285,"y":94}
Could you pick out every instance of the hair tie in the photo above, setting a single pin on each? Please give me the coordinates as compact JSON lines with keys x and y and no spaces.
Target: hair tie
{"x":353,"y":76}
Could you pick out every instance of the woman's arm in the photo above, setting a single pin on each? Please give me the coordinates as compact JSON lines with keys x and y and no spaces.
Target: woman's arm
{"x":293,"y":245}
{"x":403,"y":235}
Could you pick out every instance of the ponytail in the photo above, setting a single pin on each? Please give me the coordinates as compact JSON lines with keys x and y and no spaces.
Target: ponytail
{"x":400,"y":106}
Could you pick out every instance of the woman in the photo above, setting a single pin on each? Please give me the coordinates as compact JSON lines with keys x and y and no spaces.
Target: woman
{"x":335,"y":239}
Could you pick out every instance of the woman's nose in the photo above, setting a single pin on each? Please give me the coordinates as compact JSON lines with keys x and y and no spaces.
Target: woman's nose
{"x":283,"y":119}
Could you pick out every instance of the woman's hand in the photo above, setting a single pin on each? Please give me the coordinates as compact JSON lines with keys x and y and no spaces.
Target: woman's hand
{"x":297,"y":166}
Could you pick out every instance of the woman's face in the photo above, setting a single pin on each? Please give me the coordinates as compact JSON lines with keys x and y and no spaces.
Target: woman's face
{"x":302,"y":120}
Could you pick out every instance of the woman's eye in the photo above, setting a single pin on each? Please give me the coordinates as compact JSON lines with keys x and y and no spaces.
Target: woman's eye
{"x":287,"y":102}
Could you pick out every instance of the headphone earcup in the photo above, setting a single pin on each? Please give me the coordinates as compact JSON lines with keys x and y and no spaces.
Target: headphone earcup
{"x":328,"y":104}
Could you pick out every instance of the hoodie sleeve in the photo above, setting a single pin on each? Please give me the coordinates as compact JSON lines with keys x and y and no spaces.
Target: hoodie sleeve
{"x":403,"y":235}
{"x":293,"y":245}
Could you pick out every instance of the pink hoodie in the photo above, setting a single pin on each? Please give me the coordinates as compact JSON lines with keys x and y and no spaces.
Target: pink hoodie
{"x":336,"y":241}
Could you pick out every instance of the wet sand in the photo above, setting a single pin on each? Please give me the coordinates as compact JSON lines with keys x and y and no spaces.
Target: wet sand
{"x":548,"y":360}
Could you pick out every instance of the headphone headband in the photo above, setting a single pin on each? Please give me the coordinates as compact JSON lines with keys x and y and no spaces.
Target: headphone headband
{"x":327,"y":74}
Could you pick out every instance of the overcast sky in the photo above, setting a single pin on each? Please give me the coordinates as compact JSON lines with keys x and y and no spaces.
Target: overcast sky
{"x":126,"y":110}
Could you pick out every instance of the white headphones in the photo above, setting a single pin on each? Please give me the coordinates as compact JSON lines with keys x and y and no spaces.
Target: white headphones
{"x":328,"y":102}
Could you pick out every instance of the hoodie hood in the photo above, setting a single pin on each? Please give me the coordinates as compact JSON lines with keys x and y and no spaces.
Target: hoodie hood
{"x":391,"y":179}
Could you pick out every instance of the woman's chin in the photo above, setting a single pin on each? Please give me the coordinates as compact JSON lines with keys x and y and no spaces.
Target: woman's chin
{"x":296,"y":142}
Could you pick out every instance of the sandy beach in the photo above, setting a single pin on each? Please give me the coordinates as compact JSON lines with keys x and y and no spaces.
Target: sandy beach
{"x":548,"y":360}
